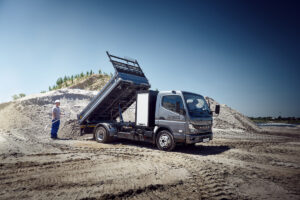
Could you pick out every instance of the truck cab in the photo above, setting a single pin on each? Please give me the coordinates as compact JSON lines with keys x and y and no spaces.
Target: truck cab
{"x":182,"y":117}
{"x":186,"y":114}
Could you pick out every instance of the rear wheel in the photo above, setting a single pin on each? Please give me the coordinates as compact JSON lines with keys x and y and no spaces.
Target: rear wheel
{"x":101,"y":135}
{"x":165,"y":141}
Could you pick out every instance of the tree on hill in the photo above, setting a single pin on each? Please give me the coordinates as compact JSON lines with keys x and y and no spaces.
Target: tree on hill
{"x":15,"y":96}
{"x":69,"y":80}
{"x":59,"y":81}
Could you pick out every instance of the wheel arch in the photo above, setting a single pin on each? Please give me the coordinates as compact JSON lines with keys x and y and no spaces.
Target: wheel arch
{"x":161,"y":128}
{"x":100,"y":125}
{"x":108,"y":127}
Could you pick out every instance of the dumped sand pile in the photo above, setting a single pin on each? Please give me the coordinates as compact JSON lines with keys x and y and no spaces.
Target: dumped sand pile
{"x":70,"y":129}
{"x":230,"y":118}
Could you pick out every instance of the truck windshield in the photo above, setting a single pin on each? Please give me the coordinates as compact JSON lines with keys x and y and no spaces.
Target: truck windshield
{"x":196,"y":104}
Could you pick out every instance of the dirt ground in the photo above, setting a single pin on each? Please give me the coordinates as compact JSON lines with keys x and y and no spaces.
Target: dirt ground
{"x":234,"y":165}
{"x":243,"y":161}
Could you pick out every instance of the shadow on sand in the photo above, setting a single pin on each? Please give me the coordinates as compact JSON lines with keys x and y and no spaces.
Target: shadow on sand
{"x":63,"y":139}
{"x":202,"y":150}
{"x":187,"y":149}
{"x":198,"y":149}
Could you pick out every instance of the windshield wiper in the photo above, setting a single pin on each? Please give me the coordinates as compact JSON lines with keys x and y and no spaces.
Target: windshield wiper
{"x":196,"y":111}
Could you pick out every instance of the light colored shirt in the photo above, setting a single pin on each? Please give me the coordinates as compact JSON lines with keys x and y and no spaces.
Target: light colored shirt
{"x":56,"y":112}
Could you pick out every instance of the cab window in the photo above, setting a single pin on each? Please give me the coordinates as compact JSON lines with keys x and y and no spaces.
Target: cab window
{"x":173,"y":103}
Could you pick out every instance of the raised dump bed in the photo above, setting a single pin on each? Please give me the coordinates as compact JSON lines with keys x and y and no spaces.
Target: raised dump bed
{"x":118,"y":94}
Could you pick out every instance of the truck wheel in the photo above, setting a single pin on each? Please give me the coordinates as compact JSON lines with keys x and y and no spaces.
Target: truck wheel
{"x":165,"y":141}
{"x":101,"y":135}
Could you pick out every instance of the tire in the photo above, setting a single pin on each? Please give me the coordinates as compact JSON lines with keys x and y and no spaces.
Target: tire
{"x":165,"y":141}
{"x":101,"y":135}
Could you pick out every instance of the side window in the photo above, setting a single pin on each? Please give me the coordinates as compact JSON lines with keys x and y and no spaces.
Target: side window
{"x":173,"y":103}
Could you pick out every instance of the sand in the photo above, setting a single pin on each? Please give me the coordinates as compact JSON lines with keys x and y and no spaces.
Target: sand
{"x":241,"y":162}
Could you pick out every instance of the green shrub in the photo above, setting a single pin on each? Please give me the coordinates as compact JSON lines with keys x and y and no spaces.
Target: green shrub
{"x":15,"y":96}
{"x":59,"y":81}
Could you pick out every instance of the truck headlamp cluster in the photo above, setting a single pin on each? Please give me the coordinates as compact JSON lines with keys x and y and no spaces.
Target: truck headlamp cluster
{"x":196,"y":128}
{"x":192,"y":128}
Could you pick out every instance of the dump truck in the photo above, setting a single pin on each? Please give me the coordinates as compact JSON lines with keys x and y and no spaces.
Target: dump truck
{"x":163,"y":118}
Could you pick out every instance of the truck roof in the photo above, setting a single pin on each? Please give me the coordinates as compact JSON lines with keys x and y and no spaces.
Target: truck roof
{"x":176,"y":92}
{"x":170,"y":91}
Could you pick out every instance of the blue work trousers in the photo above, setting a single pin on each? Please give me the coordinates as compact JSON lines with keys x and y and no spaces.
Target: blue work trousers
{"x":54,"y":128}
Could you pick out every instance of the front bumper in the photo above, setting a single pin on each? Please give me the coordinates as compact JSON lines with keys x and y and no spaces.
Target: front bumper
{"x":191,"y":139}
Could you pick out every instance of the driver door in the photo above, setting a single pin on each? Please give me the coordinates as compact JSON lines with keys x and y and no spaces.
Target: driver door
{"x":171,"y":114}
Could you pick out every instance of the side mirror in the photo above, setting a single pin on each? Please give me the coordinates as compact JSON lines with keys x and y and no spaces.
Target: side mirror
{"x":217,"y":109}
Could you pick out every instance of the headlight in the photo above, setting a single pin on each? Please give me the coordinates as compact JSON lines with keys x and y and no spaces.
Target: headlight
{"x":192,"y":128}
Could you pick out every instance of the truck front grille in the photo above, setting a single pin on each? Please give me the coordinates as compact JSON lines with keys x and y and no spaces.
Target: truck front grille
{"x":202,"y":127}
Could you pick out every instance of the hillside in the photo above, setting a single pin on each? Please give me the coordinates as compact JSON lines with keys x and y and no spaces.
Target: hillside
{"x":89,"y":81}
{"x":93,"y":82}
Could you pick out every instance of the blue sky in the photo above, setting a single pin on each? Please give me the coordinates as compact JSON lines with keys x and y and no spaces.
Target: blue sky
{"x":242,"y":53}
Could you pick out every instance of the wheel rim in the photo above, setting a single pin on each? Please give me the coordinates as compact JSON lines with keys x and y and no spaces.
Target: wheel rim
{"x":100,"y":134}
{"x":164,"y":140}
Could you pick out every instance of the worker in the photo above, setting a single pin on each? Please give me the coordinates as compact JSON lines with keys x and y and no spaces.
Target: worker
{"x":55,"y":119}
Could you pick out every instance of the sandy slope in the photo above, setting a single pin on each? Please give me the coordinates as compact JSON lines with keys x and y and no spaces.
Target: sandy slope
{"x":242,"y":162}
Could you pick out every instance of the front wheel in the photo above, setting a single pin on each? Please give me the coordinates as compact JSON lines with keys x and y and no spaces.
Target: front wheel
{"x":165,"y":141}
{"x":101,"y":135}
